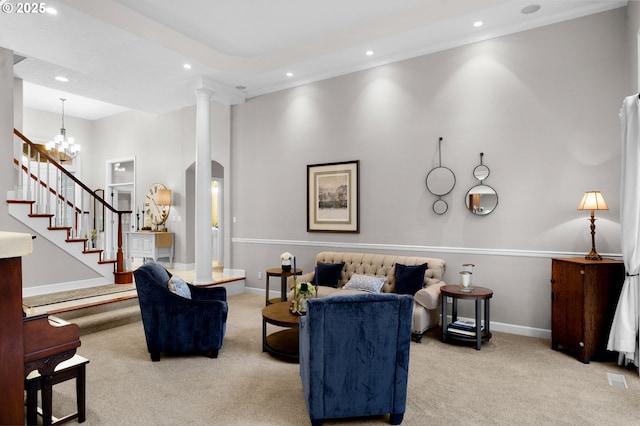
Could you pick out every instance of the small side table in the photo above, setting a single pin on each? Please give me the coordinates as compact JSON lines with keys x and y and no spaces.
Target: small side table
{"x":478,"y":294}
{"x":278,"y":272}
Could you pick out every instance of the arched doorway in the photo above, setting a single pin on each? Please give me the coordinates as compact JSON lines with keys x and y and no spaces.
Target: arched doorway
{"x":217,"y":217}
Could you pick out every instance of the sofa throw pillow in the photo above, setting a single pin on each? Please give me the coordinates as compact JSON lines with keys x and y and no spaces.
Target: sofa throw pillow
{"x":328,"y":274}
{"x":365,"y":282}
{"x":178,"y":286}
{"x":409,"y":279}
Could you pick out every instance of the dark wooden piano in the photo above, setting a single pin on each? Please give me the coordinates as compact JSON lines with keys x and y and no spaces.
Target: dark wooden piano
{"x":47,"y":342}
{"x":38,"y":342}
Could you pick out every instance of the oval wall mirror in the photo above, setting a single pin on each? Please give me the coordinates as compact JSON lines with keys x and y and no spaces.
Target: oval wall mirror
{"x":481,"y":200}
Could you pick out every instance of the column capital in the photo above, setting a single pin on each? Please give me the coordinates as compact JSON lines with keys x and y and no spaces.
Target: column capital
{"x":217,"y":91}
{"x":203,"y":94}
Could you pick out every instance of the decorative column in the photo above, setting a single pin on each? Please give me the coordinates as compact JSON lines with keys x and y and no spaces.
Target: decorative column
{"x":203,"y":234}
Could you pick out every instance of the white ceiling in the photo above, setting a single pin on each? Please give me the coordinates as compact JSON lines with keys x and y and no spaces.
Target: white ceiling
{"x":129,"y":54}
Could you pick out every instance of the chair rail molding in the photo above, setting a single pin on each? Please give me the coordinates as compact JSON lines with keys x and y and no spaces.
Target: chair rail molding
{"x":420,"y":249}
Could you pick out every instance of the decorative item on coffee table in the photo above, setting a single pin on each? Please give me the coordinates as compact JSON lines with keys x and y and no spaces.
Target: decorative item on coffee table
{"x":303,"y":292}
{"x":285,"y":261}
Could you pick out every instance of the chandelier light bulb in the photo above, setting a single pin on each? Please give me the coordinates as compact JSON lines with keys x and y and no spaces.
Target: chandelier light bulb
{"x":63,"y":148}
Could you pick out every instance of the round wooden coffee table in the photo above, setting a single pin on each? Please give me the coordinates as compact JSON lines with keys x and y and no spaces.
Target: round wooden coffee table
{"x":284,"y":343}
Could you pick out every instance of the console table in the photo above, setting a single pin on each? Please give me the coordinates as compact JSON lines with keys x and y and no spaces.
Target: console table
{"x":151,"y":245}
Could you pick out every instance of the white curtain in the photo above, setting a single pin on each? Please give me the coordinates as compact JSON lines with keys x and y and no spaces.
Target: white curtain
{"x":623,"y":337}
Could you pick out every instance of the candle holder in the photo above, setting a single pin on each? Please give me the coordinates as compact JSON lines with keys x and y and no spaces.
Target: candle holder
{"x":465,"y":281}
{"x":466,"y":277}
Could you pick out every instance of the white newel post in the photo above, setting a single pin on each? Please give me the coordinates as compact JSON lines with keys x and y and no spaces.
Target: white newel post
{"x":203,"y":234}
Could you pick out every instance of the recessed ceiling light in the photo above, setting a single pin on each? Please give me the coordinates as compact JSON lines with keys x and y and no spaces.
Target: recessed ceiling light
{"x":369,"y":52}
{"x":478,"y":24}
{"x":51,"y":11}
{"x":187,"y":66}
{"x":533,"y":8}
{"x":289,"y":74}
{"x":62,"y":78}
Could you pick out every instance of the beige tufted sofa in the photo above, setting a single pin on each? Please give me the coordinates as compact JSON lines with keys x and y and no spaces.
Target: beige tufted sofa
{"x":426,"y":306}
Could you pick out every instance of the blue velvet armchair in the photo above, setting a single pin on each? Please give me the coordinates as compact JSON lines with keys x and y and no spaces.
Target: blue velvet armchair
{"x":173,"y":323}
{"x":354,"y":356}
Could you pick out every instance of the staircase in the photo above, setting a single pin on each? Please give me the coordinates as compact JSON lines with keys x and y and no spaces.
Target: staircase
{"x":61,"y":236}
{"x":52,"y":201}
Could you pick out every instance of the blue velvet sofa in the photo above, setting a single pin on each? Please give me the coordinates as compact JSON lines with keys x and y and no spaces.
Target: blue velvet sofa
{"x":173,"y":323}
{"x":354,"y":356}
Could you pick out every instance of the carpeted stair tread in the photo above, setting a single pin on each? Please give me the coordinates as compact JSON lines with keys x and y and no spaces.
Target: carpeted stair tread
{"x":98,"y":318}
{"x":79,"y":294}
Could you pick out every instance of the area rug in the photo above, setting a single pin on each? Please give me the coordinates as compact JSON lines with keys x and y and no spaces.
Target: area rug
{"x":83,"y":293}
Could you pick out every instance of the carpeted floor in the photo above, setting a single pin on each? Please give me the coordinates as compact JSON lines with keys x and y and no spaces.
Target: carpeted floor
{"x":83,"y":293}
{"x":513,"y":380}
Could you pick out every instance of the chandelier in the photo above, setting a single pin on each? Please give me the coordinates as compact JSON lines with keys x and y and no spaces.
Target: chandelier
{"x":63,"y":148}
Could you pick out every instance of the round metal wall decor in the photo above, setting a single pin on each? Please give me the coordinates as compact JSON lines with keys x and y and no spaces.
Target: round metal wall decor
{"x":481,"y":199}
{"x":440,"y":181}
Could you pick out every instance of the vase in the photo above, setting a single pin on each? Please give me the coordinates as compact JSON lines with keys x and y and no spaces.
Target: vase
{"x":286,"y":265}
{"x":303,"y":295}
{"x":302,"y":303}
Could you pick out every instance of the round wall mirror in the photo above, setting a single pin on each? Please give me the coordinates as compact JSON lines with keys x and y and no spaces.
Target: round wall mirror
{"x":481,"y":200}
{"x":481,"y":172}
{"x":440,"y":181}
{"x":440,"y":206}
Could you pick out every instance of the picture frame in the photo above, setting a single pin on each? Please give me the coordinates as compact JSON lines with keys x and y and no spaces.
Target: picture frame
{"x":333,"y":197}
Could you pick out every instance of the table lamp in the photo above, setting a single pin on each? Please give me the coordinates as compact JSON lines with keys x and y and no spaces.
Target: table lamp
{"x":163,"y":200}
{"x":593,"y":200}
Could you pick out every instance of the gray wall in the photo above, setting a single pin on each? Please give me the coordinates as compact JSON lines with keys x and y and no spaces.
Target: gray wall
{"x":543,"y":107}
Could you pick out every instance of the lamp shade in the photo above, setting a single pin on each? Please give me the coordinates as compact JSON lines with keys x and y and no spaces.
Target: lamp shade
{"x":163,"y":197}
{"x":593,"y":200}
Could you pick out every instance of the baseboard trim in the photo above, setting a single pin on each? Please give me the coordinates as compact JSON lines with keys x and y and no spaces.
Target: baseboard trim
{"x":540,"y":333}
{"x":521,"y":330}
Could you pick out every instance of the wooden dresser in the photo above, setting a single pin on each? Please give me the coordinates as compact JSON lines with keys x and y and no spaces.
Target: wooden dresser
{"x":584,"y":296}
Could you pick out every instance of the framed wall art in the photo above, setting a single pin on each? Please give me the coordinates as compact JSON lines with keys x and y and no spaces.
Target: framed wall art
{"x":333,"y":203}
